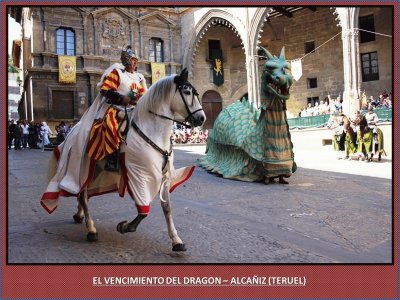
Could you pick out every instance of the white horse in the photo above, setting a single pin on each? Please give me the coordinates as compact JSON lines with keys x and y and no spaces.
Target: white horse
{"x":146,"y":156}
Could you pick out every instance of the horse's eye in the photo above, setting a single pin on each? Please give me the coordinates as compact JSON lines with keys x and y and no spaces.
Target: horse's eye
{"x":186,"y":92}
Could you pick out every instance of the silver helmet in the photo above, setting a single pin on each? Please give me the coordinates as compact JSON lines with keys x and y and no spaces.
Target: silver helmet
{"x":126,"y":56}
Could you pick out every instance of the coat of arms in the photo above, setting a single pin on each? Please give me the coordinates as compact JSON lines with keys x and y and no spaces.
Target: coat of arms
{"x":113,"y":28}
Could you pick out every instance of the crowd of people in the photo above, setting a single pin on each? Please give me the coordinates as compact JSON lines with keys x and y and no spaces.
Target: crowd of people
{"x":383,"y":101}
{"x":331,"y":106}
{"x":354,"y":135}
{"x":327,"y":107}
{"x":182,"y":135}
{"x":30,"y":135}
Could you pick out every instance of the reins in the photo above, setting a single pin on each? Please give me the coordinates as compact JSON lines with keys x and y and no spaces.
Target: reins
{"x":164,"y":153}
{"x":190,"y":114}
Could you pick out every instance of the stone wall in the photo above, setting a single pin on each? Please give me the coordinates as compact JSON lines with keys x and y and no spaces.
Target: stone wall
{"x":325,"y":64}
{"x":235,"y":75}
{"x":100,"y":35}
{"x":383,"y":45}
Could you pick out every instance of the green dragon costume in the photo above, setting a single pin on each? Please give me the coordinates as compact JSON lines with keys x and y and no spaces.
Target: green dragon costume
{"x":252,"y":144}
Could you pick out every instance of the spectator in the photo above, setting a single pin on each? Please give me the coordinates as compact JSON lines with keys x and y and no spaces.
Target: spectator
{"x":11,"y":133}
{"x":32,"y":137}
{"x":45,"y":132}
{"x":25,"y":134}
{"x":18,"y":136}
{"x":316,"y":109}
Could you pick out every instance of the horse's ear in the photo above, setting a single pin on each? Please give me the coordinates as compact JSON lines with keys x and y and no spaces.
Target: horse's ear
{"x":183,"y":77}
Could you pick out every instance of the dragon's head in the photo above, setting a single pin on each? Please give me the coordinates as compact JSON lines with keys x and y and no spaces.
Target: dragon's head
{"x":276,"y":77}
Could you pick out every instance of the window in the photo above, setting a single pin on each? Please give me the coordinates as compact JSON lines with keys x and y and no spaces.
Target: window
{"x":309,"y":47}
{"x":213,"y":45}
{"x":312,"y":83}
{"x":367,"y":23}
{"x":65,"y":41}
{"x":370,"y":69}
{"x":312,"y":100}
{"x":156,"y":50}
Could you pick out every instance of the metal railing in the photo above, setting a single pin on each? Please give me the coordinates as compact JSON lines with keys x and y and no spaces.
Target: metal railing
{"x":384,"y":114}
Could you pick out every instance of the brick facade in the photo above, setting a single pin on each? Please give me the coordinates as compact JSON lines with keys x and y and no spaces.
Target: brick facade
{"x":101,"y":32}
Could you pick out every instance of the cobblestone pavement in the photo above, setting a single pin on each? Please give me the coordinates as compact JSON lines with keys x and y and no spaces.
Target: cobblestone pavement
{"x":320,"y":217}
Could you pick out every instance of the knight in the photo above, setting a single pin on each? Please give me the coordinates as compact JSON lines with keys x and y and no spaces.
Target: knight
{"x":99,"y":133}
{"x":121,"y":88}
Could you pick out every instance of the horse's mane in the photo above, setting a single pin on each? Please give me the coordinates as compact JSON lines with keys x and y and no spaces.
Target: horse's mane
{"x":155,"y":96}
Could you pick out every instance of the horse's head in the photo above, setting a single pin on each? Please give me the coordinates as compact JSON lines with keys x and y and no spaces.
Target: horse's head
{"x":276,"y":77}
{"x":186,"y":103}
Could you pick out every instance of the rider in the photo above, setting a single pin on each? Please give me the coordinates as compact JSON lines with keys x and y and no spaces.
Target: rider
{"x":122,"y":88}
{"x":338,"y":122}
{"x":372,"y":119}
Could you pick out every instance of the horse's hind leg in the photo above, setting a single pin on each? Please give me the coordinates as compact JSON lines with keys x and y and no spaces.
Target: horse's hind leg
{"x":177,"y":244}
{"x":92,"y":232}
{"x":78,"y":217}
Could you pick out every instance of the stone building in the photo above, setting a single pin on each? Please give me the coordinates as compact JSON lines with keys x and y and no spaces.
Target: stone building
{"x":337,"y":58}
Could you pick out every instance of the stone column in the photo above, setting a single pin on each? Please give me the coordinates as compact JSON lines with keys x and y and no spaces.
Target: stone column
{"x":251,"y":64}
{"x":140,"y":41}
{"x":351,"y":60}
{"x":95,"y":35}
{"x":171,"y":43}
{"x":84,"y":41}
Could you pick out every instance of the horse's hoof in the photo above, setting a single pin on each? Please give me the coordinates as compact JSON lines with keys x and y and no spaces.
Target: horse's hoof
{"x":282,"y":181}
{"x":122,"y":227}
{"x":92,"y":237}
{"x":78,"y":219}
{"x":179,"y":247}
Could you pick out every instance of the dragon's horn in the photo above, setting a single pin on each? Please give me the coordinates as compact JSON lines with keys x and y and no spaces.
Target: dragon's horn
{"x":282,"y":56}
{"x":266,"y":52}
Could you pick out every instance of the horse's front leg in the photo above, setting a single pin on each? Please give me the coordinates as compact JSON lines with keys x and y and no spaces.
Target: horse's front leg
{"x":92,"y":232}
{"x":124,"y":226}
{"x":177,"y":244}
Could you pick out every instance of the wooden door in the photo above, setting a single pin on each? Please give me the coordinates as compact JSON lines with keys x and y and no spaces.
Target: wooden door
{"x":63,"y":105}
{"x":212,"y":106}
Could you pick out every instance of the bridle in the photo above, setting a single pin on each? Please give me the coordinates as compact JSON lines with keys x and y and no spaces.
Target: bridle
{"x":167,"y":153}
{"x":179,"y":88}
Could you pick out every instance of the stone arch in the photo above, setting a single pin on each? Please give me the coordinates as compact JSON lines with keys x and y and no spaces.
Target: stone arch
{"x":212,"y":104}
{"x":238,"y":95}
{"x":260,"y":17}
{"x":212,"y":17}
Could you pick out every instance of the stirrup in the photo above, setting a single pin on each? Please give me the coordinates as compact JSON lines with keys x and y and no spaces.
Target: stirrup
{"x":112,"y":164}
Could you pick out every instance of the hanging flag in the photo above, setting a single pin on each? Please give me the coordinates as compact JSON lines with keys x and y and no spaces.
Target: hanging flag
{"x":157,"y":71}
{"x":67,"y":69}
{"x":297,"y":69}
{"x":218,"y":69}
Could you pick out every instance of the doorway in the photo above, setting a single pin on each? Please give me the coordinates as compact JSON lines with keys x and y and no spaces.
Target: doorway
{"x":212,"y":106}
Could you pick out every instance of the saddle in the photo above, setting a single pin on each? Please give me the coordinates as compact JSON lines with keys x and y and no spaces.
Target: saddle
{"x":112,"y":162}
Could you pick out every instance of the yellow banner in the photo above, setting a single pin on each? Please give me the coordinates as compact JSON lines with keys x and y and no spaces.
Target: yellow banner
{"x":67,"y":69}
{"x":157,"y":72}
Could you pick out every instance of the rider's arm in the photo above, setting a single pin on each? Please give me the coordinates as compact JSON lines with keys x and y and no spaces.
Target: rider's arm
{"x":109,"y":87}
{"x":143,"y":83}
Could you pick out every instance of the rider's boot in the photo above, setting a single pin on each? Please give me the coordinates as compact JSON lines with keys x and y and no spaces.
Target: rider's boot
{"x":112,"y":163}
